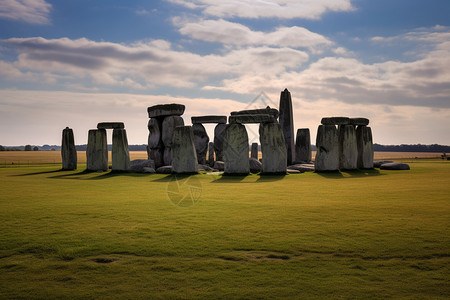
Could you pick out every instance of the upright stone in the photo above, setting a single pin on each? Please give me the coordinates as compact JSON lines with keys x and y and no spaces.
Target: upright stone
{"x":254,"y":151}
{"x":365,"y":147}
{"x":287,"y":124}
{"x":68,"y":150}
{"x":167,"y":156}
{"x":327,"y":142}
{"x":120,"y":154}
{"x":211,"y":154}
{"x":168,"y":126}
{"x":273,"y":148}
{"x":154,"y":133}
{"x":97,"y":150}
{"x":303,"y":146}
{"x":184,"y":156}
{"x":201,"y":141}
{"x":157,"y":155}
{"x":219,"y":136}
{"x":235,"y":150}
{"x":348,"y":148}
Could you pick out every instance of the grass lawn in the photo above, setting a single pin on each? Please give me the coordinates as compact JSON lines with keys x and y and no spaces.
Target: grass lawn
{"x":376,"y":234}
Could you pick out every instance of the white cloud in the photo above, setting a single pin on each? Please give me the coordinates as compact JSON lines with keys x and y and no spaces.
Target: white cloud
{"x":283,"y":9}
{"x":145,"y":64}
{"x":230,"y":33}
{"x":29,"y":11}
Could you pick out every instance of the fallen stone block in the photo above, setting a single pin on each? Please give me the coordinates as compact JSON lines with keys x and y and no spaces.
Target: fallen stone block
{"x":394,"y":166}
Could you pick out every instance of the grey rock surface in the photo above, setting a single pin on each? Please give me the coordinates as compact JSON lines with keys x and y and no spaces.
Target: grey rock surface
{"x":255,"y":165}
{"x":303,"y":146}
{"x":164,"y":170}
{"x":378,"y":163}
{"x":254,"y":151}
{"x":157,"y":155}
{"x":210,"y":154}
{"x":273,"y":148}
{"x":292,"y":171}
{"x":335,"y":121}
{"x":264,"y":111}
{"x":394,"y":166}
{"x":148,"y":170}
{"x":184,"y":155}
{"x":365,"y":147}
{"x":68,"y":150}
{"x":235,"y":150}
{"x":154,"y":133}
{"x":138,"y":165}
{"x":348,"y":148}
{"x":205,"y":168}
{"x":219,"y":136}
{"x":209,"y":119}
{"x":302,"y":167}
{"x":359,"y":121}
{"x":327,"y":143}
{"x":110,"y":125}
{"x":251,"y":119}
{"x":168,"y":126}
{"x":162,"y":110}
{"x":201,"y":141}
{"x":97,"y":150}
{"x":219,"y":165}
{"x":120,"y":154}
{"x":167,"y":156}
{"x":287,"y":124}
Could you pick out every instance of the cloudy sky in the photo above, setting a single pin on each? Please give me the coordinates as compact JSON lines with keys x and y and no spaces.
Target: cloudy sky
{"x":79,"y":62}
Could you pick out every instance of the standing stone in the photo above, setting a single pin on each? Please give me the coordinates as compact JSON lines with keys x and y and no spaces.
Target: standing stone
{"x":120,"y":154}
{"x":184,"y":156}
{"x":201,"y":140}
{"x":303,"y":146}
{"x":157,"y":155}
{"x":365,"y":147}
{"x":273,"y":148}
{"x":348,"y":148}
{"x":167,"y":156}
{"x":68,"y":150}
{"x":327,"y":156}
{"x":168,"y":126}
{"x":97,"y":150}
{"x":211,"y":154}
{"x":219,"y":135}
{"x":235,"y":150}
{"x":287,"y":124}
{"x":154,"y":133}
{"x":254,"y":151}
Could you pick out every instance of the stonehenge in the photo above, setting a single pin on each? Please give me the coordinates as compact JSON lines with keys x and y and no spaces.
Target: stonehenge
{"x":68,"y":150}
{"x":342,"y":143}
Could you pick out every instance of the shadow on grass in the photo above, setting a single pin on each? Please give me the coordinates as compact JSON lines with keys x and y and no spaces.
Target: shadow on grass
{"x":270,"y":177}
{"x":349,"y":174}
{"x":229,"y":179}
{"x":39,"y":173}
{"x":103,"y":175}
{"x":171,"y":177}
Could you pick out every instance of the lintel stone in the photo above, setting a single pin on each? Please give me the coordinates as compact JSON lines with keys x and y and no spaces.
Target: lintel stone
{"x":209,"y":119}
{"x":162,"y":110}
{"x":335,"y":121}
{"x":110,"y":125}
{"x":255,"y":118}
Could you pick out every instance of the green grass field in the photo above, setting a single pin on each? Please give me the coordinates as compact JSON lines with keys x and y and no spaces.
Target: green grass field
{"x":376,"y":234}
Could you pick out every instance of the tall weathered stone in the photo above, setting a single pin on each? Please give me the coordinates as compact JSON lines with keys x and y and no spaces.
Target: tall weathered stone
{"x":211,"y":154}
{"x":219,"y":135}
{"x":68,"y":150}
{"x":235,"y":150}
{"x":201,"y":140}
{"x":327,"y":142}
{"x":348,"y":148}
{"x":303,"y":146}
{"x":273,"y":148}
{"x":365,"y":147}
{"x":287,"y":124}
{"x":184,"y":156}
{"x":97,"y":150}
{"x":254,"y":151}
{"x":154,"y":133}
{"x":168,"y":126}
{"x":120,"y":154}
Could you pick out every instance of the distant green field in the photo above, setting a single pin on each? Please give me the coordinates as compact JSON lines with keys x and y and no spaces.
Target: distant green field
{"x":375,"y":234}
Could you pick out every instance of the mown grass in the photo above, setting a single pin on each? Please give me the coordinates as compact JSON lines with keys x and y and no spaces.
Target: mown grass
{"x":375,"y":234}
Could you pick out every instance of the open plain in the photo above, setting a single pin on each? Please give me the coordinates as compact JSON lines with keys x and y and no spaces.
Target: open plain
{"x":359,"y":234}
